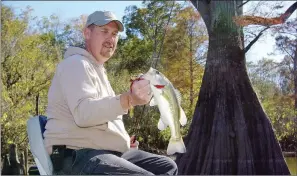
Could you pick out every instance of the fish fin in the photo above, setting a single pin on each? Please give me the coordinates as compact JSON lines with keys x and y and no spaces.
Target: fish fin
{"x":153,"y":102}
{"x":183,"y":117}
{"x":176,"y":146}
{"x":161,"y":125}
{"x":178,"y":96}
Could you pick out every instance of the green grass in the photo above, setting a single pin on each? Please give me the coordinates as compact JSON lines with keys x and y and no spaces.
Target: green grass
{"x":292,"y":164}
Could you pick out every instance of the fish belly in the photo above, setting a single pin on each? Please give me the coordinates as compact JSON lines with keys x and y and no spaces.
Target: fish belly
{"x":167,"y":115}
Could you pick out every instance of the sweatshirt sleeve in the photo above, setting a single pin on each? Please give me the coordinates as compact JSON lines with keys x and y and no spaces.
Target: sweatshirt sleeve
{"x":88,"y":109}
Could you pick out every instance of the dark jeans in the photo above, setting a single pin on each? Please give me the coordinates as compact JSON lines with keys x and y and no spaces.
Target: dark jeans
{"x":103,"y":162}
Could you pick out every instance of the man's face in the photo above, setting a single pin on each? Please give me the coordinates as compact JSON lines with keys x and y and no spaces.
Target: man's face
{"x":102,"y":41}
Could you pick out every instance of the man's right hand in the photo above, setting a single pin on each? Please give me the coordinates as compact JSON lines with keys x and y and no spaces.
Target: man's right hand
{"x":140,"y":93}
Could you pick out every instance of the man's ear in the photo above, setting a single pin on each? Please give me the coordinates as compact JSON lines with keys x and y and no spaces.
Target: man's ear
{"x":87,"y":33}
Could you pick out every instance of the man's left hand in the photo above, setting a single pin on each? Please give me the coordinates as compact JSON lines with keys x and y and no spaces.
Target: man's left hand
{"x":133,"y":142}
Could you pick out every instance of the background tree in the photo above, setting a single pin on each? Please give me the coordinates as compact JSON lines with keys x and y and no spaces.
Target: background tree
{"x":230,"y":132}
{"x":183,"y":49}
{"x":274,"y":92}
{"x":28,"y":63}
{"x":286,"y":43}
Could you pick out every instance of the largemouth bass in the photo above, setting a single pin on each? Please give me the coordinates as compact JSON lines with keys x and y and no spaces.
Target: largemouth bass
{"x":168,"y":100}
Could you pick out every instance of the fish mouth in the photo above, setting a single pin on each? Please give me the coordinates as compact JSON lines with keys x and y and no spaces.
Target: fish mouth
{"x":159,"y":86}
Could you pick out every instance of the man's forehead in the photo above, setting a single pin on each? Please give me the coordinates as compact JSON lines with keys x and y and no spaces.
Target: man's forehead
{"x":111,"y":25}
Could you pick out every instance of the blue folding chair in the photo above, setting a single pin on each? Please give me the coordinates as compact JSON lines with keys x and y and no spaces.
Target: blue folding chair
{"x":35,"y":130}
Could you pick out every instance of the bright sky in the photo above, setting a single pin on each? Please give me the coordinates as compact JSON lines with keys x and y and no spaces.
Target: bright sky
{"x":265,"y":44}
{"x":72,"y":9}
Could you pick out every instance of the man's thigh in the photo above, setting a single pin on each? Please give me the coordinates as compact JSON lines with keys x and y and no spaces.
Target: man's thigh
{"x":101,"y":162}
{"x":156,"y":164}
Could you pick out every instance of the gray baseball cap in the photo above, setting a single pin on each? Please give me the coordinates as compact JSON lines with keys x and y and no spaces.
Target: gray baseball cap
{"x":101,"y":18}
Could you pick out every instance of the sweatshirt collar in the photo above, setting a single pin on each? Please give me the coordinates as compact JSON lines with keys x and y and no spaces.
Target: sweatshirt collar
{"x":77,"y":50}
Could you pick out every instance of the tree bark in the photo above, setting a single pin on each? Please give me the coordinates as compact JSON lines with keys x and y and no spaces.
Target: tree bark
{"x":12,"y":164}
{"x":6,"y":165}
{"x":26,"y":160}
{"x":230,"y":133}
{"x":36,"y":104}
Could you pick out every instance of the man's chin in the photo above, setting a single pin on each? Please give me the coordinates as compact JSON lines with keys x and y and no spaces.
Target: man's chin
{"x":104,"y":58}
{"x":106,"y":55}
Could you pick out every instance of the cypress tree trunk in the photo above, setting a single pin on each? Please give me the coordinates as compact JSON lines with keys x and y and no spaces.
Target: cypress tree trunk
{"x":230,"y":133}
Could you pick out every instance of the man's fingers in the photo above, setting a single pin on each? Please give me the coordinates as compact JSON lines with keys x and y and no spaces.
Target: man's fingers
{"x":142,"y":87}
{"x":140,"y":84}
{"x":141,"y":92}
{"x":144,"y":90}
{"x":135,"y":144}
{"x":144,"y":94}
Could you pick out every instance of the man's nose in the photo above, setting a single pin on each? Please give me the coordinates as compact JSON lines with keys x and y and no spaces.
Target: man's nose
{"x":111,"y":38}
{"x":110,"y":42}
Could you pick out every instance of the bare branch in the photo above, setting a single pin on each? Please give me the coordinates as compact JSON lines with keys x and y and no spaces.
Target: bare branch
{"x":255,"y":40}
{"x":256,"y":20}
{"x":277,"y":65}
{"x":289,"y":12}
{"x":291,"y":56}
{"x":163,"y":38}
{"x":243,"y":3}
{"x":287,"y":33}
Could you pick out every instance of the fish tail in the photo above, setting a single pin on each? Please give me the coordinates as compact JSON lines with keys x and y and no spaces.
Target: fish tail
{"x":176,"y":146}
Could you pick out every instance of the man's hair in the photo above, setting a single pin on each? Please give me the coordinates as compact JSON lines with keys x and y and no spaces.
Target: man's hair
{"x":83,"y":45}
{"x":91,"y":27}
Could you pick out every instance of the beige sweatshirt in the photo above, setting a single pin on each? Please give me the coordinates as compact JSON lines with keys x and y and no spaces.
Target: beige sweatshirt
{"x":83,"y":110}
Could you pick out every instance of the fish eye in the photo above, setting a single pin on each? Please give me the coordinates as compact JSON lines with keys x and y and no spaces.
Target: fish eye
{"x":157,"y":72}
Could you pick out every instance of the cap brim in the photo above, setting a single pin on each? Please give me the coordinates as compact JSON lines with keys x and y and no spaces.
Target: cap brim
{"x":120,"y":24}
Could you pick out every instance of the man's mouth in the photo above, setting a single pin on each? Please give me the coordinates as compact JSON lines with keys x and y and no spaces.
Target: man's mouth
{"x":108,"y":46}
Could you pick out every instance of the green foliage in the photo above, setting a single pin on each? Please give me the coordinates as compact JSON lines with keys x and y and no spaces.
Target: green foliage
{"x":27,"y":68}
{"x":145,"y":32}
{"x":268,"y":81}
{"x":282,"y":115}
{"x":133,"y":55}
{"x":180,"y":63}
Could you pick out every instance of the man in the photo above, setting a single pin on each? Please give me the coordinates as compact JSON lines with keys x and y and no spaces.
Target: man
{"x":85,"y":133}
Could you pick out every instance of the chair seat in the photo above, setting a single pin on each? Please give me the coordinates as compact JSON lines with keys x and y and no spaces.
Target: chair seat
{"x":35,"y":130}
